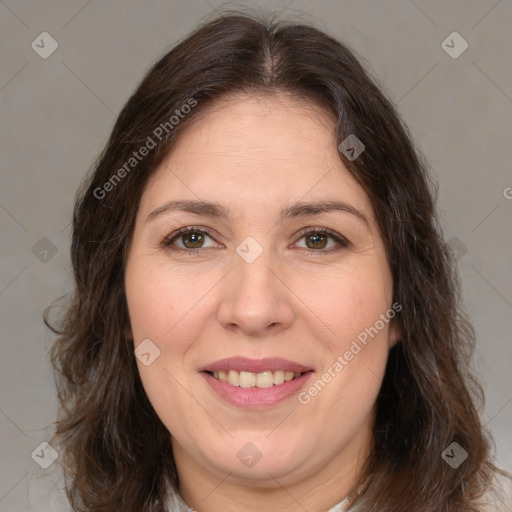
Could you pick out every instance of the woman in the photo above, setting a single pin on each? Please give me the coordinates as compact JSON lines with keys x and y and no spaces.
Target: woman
{"x":266,"y":316}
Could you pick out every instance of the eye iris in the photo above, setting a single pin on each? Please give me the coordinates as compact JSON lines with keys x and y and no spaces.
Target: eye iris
{"x":318,"y":240}
{"x":193,"y":240}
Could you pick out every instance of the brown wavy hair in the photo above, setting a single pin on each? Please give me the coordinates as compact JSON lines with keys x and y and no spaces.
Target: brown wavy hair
{"x":116,"y":453}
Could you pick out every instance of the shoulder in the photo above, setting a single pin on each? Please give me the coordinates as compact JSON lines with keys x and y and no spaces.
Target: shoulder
{"x":174,"y":503}
{"x":499,"y":499}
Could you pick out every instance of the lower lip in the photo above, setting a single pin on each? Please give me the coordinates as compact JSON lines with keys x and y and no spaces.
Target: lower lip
{"x":256,"y":398}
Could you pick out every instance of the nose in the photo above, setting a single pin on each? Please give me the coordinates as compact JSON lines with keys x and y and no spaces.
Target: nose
{"x":255,"y":298}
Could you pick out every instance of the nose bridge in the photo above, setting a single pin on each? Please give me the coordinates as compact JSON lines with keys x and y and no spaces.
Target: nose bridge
{"x":255,"y":298}
{"x":256,"y":273}
{"x":253,"y":262}
{"x":254,"y":279}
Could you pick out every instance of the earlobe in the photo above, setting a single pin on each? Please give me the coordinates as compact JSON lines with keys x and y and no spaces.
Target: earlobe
{"x":394,"y":335}
{"x":128,"y":333}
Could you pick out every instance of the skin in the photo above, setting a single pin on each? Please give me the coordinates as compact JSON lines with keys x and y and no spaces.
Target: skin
{"x":255,"y":155}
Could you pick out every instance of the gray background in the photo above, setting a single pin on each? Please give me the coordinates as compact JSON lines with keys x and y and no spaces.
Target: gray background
{"x":56,"y":113}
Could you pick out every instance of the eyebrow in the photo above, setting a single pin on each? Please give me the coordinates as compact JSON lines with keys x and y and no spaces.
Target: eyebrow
{"x":215,"y":210}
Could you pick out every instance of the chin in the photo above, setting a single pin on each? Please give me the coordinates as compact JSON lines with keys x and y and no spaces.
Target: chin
{"x":262,"y":460}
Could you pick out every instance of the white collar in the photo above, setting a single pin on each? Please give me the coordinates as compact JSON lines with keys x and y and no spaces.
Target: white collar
{"x":176,"y":504}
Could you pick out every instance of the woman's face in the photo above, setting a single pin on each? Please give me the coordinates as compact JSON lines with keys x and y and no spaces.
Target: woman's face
{"x":253,"y":295}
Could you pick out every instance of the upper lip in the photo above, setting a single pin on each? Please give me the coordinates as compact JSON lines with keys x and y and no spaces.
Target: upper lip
{"x":246,"y":364}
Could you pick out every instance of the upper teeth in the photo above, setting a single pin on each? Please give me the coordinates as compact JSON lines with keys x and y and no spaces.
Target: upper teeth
{"x":260,"y":380}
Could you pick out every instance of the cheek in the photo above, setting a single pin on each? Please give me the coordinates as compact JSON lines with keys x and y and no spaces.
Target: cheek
{"x":357,"y":309}
{"x":353,"y":311}
{"x":165,"y":307}
{"x":162,"y":301}
{"x":348,"y":302}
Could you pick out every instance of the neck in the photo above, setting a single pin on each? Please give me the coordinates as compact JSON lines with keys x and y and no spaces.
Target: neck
{"x":326,"y":486}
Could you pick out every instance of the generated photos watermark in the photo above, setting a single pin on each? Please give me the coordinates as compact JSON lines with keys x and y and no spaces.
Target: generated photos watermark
{"x":161,"y":132}
{"x":343,"y":360}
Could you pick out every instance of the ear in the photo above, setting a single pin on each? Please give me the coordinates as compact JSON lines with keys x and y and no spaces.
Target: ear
{"x":128,"y":333}
{"x":394,"y":334}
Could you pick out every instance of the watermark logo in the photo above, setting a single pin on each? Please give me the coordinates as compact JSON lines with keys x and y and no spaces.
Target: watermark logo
{"x":351,"y":147}
{"x":44,"y":250}
{"x":458,"y":247}
{"x":249,"y":455}
{"x":44,"y":45}
{"x":454,"y":45}
{"x":146,"y":352}
{"x":44,"y":455}
{"x":454,"y":455}
{"x":249,"y":249}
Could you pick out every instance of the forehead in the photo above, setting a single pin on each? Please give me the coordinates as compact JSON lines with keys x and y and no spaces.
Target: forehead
{"x":257,"y":150}
{"x":258,"y":128}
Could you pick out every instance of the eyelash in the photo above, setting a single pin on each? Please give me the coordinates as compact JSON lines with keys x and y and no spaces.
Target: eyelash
{"x":168,"y":241}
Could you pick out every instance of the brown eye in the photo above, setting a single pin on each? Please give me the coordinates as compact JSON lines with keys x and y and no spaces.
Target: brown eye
{"x":322,"y":241}
{"x":316,"y":240}
{"x":189,"y":239}
{"x":192,"y":240}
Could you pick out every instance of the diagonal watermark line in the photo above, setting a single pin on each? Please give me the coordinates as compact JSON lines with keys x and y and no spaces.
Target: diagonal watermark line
{"x":492,"y":81}
{"x":12,"y":280}
{"x":418,"y":82}
{"x":424,"y":14}
{"x":493,"y":287}
{"x":13,"y":218}
{"x":87,"y":87}
{"x":284,"y":8}
{"x":75,"y":15}
{"x":191,"y":191}
{"x":223,"y":223}
{"x":17,"y":73}
{"x":19,"y":19}
{"x":489,"y":421}
{"x":211,"y":6}
{"x":216,"y":487}
{"x":67,"y":272}
{"x":12,"y":488}
{"x":198,"y":402}
{"x":303,"y":302}
{"x":66,"y":226}
{"x":306,"y":193}
{"x":185,"y":314}
{"x":286,"y":490}
{"x":14,"y":423}
{"x":485,"y":15}
{"x":279,"y":424}
{"x":376,"y":376}
{"x":491,"y":212}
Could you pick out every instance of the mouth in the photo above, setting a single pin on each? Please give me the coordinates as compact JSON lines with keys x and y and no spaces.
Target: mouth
{"x":265,"y":379}
{"x":255,"y":383}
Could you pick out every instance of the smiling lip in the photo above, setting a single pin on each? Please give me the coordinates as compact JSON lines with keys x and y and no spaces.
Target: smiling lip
{"x":253,"y":397}
{"x":255,"y":365}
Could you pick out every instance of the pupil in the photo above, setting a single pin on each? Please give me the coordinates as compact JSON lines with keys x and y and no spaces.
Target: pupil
{"x":319,"y":241}
{"x":193,"y":240}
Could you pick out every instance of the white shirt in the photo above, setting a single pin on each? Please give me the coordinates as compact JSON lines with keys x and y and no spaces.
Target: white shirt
{"x":176,"y":503}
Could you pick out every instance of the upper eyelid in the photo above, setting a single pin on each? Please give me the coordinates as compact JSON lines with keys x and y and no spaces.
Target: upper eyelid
{"x":329,"y":232}
{"x":341,"y":240}
{"x":188,"y":229}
